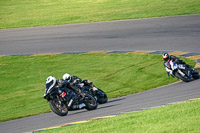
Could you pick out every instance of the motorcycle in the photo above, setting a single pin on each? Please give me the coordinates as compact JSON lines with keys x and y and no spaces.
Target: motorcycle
{"x":98,"y":94}
{"x":85,"y":86}
{"x":183,"y":71}
{"x":62,"y":100}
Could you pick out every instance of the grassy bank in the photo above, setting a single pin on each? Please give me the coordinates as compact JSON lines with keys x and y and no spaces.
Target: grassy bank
{"x":22,"y":78}
{"x":29,"y":13}
{"x":179,"y":118}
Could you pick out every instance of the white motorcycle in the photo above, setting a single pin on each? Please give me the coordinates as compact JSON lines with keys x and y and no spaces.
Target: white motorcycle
{"x":182,"y":71}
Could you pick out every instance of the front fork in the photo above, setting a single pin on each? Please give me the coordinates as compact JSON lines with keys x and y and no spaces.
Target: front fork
{"x":183,"y":74}
{"x":70,"y":103}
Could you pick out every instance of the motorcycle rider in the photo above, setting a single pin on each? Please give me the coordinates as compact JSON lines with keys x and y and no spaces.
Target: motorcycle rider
{"x":171,"y":58}
{"x":74,"y":80}
{"x":51,"y":82}
{"x":73,"y":83}
{"x":66,"y":83}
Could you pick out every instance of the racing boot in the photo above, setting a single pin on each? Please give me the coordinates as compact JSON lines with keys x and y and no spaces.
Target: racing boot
{"x":81,"y":106}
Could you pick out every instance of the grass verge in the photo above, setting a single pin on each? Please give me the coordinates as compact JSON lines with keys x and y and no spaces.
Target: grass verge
{"x":29,"y":13}
{"x":22,"y":78}
{"x":178,"y":118}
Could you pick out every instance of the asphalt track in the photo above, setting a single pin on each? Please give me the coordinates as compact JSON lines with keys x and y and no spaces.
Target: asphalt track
{"x":152,"y":98}
{"x":169,"y":33}
{"x":181,"y":33}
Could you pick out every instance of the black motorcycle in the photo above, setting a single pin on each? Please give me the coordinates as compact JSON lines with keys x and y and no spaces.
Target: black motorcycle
{"x":184,"y":72}
{"x":62,"y":100}
{"x":98,"y":94}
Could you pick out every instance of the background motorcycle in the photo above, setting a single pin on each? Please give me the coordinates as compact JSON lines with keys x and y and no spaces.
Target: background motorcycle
{"x":184,"y":72}
{"x":61,"y":100}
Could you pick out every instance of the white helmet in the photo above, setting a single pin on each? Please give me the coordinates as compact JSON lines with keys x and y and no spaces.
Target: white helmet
{"x":50,"y":82}
{"x":67,"y":77}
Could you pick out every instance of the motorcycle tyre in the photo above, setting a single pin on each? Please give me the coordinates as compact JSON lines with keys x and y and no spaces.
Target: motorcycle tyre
{"x":55,"y":110}
{"x":196,"y":75}
{"x":89,"y":106}
{"x":102,"y":100}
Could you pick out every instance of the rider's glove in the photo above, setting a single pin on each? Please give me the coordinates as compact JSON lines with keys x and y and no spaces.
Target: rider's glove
{"x":94,"y":89}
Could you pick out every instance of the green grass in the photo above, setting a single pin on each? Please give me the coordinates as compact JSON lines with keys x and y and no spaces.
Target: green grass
{"x":29,"y":13}
{"x":22,"y":78}
{"x":179,"y":118}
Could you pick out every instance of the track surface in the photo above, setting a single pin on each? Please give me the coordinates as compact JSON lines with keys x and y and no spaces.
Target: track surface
{"x":180,"y":33}
{"x":160,"y":96}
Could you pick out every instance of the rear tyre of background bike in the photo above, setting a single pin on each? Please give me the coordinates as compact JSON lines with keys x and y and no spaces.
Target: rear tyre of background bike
{"x":196,"y":75}
{"x":90,"y":102}
{"x":101,"y":97}
{"x":185,"y":79}
{"x":63,"y":111}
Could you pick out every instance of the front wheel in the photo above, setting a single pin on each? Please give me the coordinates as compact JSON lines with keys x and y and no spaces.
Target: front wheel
{"x":101,"y":96}
{"x":90,"y":102}
{"x":58,"y":107}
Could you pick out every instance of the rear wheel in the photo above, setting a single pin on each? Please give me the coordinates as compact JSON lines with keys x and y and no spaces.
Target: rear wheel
{"x":195,"y":74}
{"x":101,"y":96}
{"x":90,"y":102}
{"x":58,"y":107}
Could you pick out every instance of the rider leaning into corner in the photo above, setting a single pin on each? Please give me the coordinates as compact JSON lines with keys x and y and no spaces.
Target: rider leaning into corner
{"x":70,"y":83}
{"x":73,"y":81}
{"x":60,"y":83}
{"x":167,"y":58}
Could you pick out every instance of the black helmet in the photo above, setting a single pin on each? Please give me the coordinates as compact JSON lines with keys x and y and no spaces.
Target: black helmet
{"x":165,"y":57}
